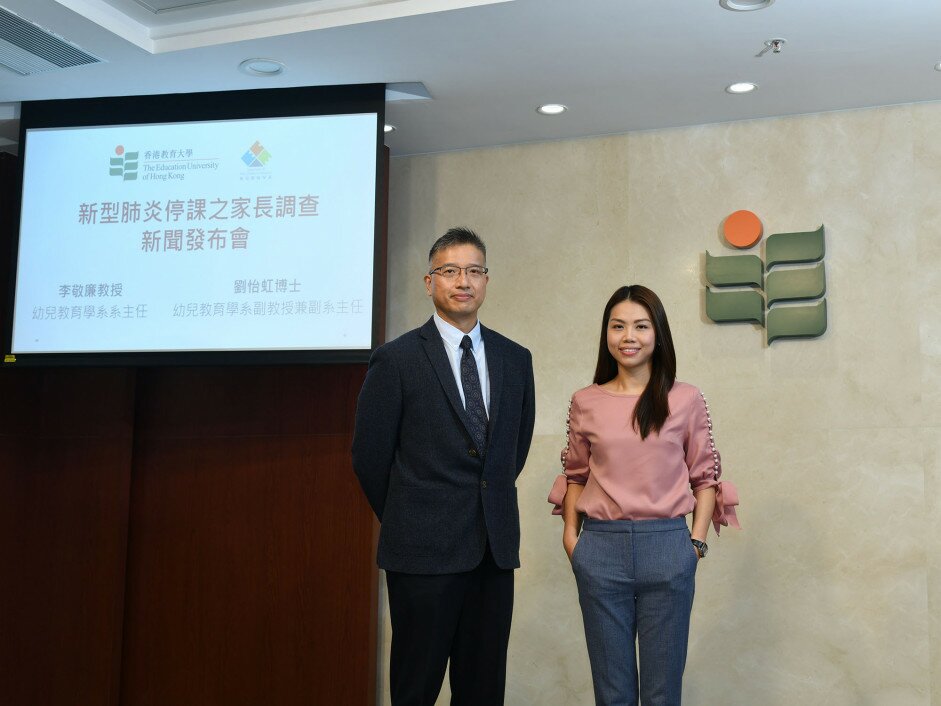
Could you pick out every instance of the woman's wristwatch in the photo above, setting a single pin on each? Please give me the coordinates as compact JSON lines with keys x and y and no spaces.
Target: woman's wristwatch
{"x":701,"y":547}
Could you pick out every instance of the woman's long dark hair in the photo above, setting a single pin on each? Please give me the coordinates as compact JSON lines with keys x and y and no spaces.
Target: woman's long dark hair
{"x":653,"y":407}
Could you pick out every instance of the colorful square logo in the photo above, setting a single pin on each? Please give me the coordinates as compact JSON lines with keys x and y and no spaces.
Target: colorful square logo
{"x":256,"y":156}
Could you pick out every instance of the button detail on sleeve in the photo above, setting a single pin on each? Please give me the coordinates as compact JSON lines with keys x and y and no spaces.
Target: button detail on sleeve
{"x":712,"y":440}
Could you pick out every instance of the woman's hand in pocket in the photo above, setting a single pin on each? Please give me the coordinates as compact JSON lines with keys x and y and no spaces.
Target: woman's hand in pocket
{"x":569,"y":540}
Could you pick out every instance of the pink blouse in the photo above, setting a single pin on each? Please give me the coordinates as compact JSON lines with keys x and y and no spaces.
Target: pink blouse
{"x":627,"y":478}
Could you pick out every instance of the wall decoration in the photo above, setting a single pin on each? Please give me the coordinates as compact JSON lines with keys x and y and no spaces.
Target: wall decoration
{"x":772,"y":292}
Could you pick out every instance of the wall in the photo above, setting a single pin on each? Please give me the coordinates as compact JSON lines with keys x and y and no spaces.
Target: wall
{"x":832,"y":592}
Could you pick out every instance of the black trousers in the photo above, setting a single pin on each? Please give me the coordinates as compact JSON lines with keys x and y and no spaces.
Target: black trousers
{"x":462,"y":617}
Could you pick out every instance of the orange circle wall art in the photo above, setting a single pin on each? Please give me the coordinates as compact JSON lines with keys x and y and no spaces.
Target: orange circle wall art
{"x":742,"y":229}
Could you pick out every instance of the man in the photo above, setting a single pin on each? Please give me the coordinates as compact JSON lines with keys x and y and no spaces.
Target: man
{"x":443,"y":427}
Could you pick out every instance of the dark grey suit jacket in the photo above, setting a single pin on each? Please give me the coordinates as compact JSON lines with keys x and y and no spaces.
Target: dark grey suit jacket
{"x":439,"y":498}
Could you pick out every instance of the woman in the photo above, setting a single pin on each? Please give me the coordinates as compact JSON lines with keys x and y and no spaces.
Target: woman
{"x":640,"y":457}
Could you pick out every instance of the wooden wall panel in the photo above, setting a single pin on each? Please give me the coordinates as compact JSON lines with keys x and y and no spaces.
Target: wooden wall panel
{"x":65,"y":455}
{"x":250,"y":571}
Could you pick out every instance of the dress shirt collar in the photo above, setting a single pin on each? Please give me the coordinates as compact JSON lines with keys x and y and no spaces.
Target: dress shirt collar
{"x":453,"y":336}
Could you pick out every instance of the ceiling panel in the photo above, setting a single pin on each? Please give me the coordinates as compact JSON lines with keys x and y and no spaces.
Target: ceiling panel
{"x":618,"y":66}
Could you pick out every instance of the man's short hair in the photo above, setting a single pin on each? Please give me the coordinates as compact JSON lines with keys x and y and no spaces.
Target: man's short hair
{"x":458,"y":236}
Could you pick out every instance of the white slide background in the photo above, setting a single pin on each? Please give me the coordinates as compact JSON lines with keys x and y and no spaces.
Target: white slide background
{"x":200,"y":251}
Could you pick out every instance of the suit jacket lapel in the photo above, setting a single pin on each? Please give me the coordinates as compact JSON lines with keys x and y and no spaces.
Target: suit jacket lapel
{"x":434,"y":349}
{"x":495,"y":371}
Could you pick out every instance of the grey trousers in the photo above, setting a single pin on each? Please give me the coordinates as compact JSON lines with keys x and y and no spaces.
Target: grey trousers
{"x":635,"y":585}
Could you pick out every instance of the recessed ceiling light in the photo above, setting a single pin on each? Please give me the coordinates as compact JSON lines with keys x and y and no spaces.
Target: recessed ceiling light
{"x":743,"y":87}
{"x":388,"y":128}
{"x":551,"y":109}
{"x":745,"y":5}
{"x":937,"y":67}
{"x":261,"y":67}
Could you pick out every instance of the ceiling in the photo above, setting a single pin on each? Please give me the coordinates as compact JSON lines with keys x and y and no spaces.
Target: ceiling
{"x":619,"y":65}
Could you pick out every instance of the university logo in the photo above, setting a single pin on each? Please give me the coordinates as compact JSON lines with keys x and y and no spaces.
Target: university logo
{"x":125,"y":164}
{"x":256,"y":155}
{"x":781,"y":292}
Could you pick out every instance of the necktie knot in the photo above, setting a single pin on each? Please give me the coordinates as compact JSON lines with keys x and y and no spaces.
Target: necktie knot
{"x":466,"y":344}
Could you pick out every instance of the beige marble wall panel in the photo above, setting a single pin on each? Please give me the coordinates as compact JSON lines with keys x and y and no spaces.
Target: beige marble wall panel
{"x":927,"y":206}
{"x":832,"y":592}
{"x":554,"y":219}
{"x":849,"y":171}
{"x":550,"y":662}
{"x":413,"y":202}
{"x":932,"y":448}
{"x":803,"y":606}
{"x":854,"y":173}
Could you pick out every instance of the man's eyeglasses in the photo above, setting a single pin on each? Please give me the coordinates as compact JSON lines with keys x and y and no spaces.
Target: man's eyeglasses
{"x":452,"y":271}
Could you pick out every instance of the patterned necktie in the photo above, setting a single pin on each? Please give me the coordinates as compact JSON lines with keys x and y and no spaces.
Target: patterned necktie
{"x":473,"y":397}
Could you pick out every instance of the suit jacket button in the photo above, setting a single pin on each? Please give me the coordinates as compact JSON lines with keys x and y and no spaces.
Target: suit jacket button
{"x":483,"y":484}
{"x":473,"y":452}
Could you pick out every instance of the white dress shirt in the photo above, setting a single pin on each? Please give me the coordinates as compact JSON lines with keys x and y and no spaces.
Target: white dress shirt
{"x":452,"y":337}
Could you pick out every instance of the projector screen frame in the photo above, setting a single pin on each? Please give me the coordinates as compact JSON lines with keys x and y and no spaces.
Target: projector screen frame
{"x":201,"y":107}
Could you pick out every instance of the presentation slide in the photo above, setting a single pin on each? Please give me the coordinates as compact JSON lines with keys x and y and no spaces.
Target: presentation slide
{"x":236,"y":235}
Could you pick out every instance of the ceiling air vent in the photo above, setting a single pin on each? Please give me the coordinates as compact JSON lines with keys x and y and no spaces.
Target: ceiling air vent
{"x":27,"y":49}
